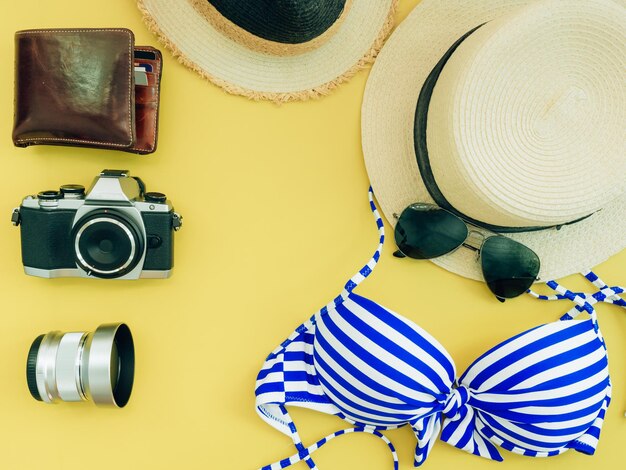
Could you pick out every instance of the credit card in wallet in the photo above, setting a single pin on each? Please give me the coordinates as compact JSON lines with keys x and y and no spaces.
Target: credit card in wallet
{"x":145,"y":66}
{"x":141,"y":78}
{"x":145,"y":55}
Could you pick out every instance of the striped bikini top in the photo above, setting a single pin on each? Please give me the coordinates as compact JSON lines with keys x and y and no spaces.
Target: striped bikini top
{"x":539,"y":393}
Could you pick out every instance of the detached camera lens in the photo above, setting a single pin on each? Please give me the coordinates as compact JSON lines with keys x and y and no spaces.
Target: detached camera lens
{"x":97,"y":366}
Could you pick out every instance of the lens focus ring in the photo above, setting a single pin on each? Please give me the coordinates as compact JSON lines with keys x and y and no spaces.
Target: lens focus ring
{"x":31,"y":368}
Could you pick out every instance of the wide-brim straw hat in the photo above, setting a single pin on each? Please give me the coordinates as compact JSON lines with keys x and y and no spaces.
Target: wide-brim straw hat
{"x":525,"y":127}
{"x":281,"y":51}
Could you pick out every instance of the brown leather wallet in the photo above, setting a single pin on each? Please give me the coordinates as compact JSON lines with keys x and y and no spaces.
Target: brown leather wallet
{"x":77,"y":87}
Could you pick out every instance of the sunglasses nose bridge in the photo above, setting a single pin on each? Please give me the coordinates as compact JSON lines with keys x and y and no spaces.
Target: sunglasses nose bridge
{"x":477,"y":234}
{"x":474,"y":241}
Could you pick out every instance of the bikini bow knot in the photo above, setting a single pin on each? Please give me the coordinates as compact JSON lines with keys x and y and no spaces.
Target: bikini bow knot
{"x":456,"y":402}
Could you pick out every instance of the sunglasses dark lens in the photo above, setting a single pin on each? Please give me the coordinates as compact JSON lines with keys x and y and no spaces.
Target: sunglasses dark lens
{"x":425,"y":232}
{"x":509,"y":268}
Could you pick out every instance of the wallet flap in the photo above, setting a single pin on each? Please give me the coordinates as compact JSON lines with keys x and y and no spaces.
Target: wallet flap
{"x":74,"y":87}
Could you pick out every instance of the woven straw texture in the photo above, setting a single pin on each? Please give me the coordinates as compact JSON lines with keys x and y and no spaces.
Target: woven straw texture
{"x":511,"y":141}
{"x":255,"y":42}
{"x":199,"y":45}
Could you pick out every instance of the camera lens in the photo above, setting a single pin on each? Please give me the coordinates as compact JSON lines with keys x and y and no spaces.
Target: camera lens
{"x":107,"y":244}
{"x":97,"y":366}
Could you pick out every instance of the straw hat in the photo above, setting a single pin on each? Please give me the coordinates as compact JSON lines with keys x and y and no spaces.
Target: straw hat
{"x":280,"y":50}
{"x":525,"y":127}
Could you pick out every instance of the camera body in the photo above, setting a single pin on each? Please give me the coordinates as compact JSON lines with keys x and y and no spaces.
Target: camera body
{"x":115,"y":230}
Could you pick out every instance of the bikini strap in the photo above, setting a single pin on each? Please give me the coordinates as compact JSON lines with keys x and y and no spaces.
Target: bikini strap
{"x":354,"y":281}
{"x":366,"y":270}
{"x":584,"y":302}
{"x":371,"y":264}
{"x":305,"y":453}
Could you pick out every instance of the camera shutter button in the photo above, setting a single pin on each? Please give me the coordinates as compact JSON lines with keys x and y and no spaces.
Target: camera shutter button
{"x":73,"y":191}
{"x":158,"y":198}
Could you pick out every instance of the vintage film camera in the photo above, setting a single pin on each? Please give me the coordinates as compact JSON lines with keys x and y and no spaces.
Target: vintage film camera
{"x":115,"y":230}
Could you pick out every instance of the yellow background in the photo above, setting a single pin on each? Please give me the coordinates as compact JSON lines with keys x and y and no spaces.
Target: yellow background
{"x":276,"y":219}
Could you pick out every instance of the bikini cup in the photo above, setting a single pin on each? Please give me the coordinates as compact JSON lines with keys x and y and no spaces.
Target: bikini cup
{"x":538,"y":394}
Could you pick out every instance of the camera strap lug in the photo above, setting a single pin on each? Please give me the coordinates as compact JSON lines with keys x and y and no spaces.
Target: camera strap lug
{"x":16,"y":217}
{"x":177,"y":221}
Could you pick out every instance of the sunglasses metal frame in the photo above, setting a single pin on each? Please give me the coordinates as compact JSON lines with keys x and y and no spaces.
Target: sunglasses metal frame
{"x":471,"y":230}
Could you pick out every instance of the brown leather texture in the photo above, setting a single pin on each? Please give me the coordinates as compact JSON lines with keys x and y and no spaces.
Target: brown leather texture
{"x":77,"y":87}
{"x":147,"y":104}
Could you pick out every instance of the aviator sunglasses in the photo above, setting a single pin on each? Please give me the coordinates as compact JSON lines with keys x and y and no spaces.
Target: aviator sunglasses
{"x":426,"y":231}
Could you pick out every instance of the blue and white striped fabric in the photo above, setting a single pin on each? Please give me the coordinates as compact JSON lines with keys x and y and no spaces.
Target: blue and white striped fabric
{"x":539,"y":393}
{"x":584,"y":302}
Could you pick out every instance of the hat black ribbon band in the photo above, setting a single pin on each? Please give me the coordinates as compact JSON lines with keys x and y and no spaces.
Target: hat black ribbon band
{"x":423,"y":160}
{"x":286,"y":22}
